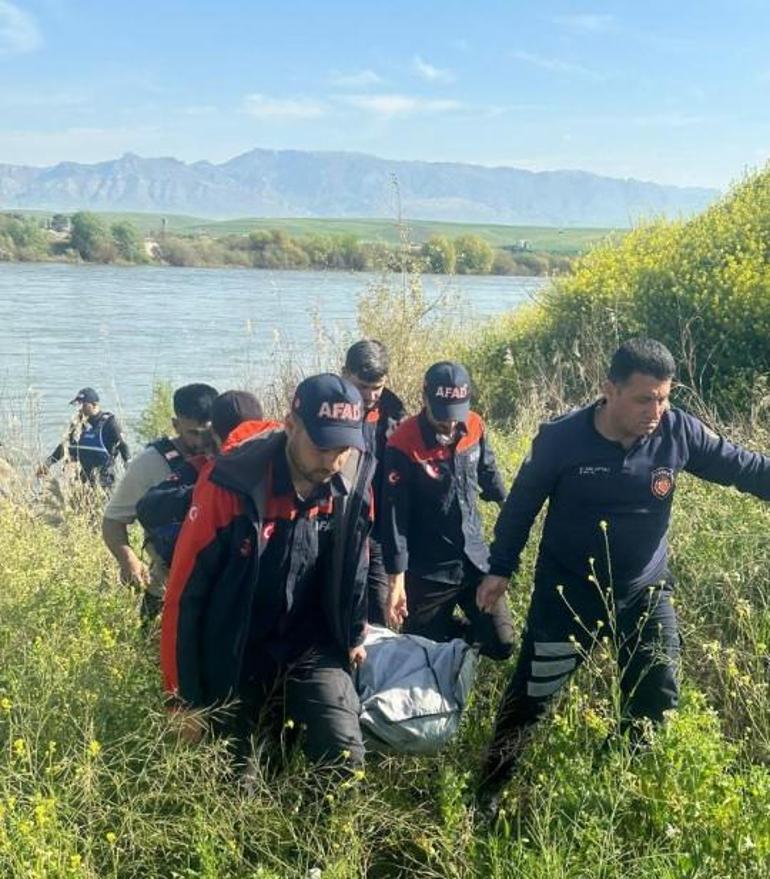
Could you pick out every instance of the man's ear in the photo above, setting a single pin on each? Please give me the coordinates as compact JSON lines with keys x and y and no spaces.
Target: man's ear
{"x":345,"y":372}
{"x":175,"y":424}
{"x":609,"y":389}
{"x":290,"y":423}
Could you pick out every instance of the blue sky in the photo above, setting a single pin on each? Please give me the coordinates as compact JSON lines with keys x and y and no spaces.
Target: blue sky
{"x":677,"y":92}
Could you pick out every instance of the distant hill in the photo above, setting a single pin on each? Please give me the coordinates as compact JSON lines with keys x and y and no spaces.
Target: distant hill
{"x":291,"y":183}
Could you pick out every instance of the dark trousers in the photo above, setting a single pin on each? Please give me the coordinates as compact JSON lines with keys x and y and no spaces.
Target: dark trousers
{"x":377,"y":585}
{"x":312,"y":697}
{"x":563,"y":625}
{"x":431,"y":605}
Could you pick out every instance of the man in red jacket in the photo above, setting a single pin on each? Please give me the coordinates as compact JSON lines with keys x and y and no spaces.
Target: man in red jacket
{"x":266,"y":602}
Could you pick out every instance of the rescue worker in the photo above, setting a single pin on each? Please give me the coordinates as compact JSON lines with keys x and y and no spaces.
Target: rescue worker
{"x":366,"y":366}
{"x":609,"y":473}
{"x":192,"y":439}
{"x":266,"y":599}
{"x":94,"y":442}
{"x":437,"y":464}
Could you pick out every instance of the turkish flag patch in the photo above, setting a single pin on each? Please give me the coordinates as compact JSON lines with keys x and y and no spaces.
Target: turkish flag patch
{"x":662,"y":482}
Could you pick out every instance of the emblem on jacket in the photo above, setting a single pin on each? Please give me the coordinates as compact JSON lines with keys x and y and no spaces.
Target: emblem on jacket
{"x":662,"y":482}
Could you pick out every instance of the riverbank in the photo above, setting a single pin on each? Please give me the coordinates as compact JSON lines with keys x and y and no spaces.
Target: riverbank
{"x":87,"y":237}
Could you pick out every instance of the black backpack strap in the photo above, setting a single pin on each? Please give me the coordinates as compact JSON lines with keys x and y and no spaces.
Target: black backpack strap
{"x":174,"y":458}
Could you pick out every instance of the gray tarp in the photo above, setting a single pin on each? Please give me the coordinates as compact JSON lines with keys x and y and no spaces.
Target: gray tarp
{"x":412,"y":691}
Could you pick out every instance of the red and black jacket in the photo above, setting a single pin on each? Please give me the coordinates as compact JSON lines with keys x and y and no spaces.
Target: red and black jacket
{"x":210,"y":593}
{"x":430,"y":523}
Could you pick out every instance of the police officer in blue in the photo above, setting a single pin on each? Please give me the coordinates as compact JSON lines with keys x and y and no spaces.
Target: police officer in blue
{"x":609,"y":473}
{"x":94,"y":442}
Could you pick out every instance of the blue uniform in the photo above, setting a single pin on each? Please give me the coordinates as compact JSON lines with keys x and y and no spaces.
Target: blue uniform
{"x":431,"y":528}
{"x":602,"y":565}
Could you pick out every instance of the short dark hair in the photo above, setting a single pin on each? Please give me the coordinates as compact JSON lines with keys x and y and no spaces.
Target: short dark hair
{"x":368,"y":360}
{"x":231,"y":409}
{"x":647,"y":356}
{"x":194,"y":402}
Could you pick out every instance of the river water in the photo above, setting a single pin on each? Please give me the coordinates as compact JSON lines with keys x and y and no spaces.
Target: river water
{"x":118,"y":329}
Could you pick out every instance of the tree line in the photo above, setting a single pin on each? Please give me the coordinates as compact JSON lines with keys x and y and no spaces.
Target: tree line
{"x":86,"y":237}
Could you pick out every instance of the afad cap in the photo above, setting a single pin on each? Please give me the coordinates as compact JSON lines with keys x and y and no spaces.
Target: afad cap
{"x":85,"y":395}
{"x":332,"y":411}
{"x":448,"y":391}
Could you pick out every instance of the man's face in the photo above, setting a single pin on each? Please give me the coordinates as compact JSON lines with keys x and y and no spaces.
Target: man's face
{"x":370,"y":391}
{"x":443,"y":428}
{"x":89,"y":409}
{"x":636,"y":406}
{"x":313,"y":464}
{"x":195,"y":437}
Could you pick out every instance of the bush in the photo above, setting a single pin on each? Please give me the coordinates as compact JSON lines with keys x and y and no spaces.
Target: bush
{"x":90,"y":239}
{"x":440,"y":256}
{"x":474,"y":255}
{"x":701,"y":287}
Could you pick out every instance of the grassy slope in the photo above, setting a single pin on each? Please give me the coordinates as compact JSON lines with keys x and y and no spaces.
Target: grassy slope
{"x":568,"y":241}
{"x":94,"y":785}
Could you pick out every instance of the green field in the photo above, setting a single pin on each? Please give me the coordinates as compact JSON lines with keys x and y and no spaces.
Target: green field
{"x":567,"y":241}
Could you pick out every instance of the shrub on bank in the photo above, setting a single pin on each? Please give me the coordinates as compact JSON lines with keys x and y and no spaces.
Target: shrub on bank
{"x":701,"y":287}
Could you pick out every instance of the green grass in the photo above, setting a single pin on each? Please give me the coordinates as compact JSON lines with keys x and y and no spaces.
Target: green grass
{"x":567,"y":241}
{"x":94,"y":784}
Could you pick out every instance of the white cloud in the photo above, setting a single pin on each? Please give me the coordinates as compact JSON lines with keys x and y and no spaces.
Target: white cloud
{"x":431,"y":73}
{"x":557,"y":65}
{"x":356,"y":79}
{"x":399,"y":105}
{"x":18,"y":30}
{"x":586,"y":22}
{"x":669,"y":120}
{"x":286,"y":108}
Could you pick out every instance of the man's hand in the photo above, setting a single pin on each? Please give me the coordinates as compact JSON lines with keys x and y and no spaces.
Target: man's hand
{"x":489,"y":591}
{"x":134,"y":572}
{"x":396,"y":610}
{"x":190,"y":727}
{"x":357,"y":655}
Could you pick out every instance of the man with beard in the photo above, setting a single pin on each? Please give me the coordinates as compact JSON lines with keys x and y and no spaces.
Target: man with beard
{"x":437,"y":465}
{"x":608,"y":472}
{"x":266,"y":599}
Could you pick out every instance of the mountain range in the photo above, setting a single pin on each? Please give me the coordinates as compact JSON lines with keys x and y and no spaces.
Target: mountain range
{"x":293,"y":183}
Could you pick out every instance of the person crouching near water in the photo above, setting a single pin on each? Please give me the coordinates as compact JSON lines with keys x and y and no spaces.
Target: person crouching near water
{"x":437,"y":465}
{"x":266,"y":603}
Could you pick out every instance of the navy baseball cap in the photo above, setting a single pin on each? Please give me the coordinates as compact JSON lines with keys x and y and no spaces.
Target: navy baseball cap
{"x":448,"y":391}
{"x":85,"y":395}
{"x":332,"y":411}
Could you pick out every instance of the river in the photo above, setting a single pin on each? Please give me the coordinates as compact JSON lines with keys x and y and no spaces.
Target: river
{"x":118,"y":329}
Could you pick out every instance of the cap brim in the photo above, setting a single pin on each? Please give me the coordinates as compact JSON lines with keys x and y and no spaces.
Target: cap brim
{"x":76,"y":400}
{"x":336,"y":436}
{"x":450,"y":411}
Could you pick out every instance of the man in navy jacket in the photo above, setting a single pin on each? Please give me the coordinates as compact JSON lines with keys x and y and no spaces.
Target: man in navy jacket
{"x":437,"y":465}
{"x":608,"y":472}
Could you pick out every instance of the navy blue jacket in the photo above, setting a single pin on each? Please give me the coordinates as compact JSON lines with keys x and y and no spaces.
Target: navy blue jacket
{"x":588,"y":480}
{"x":430,"y":523}
{"x":379,"y":424}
